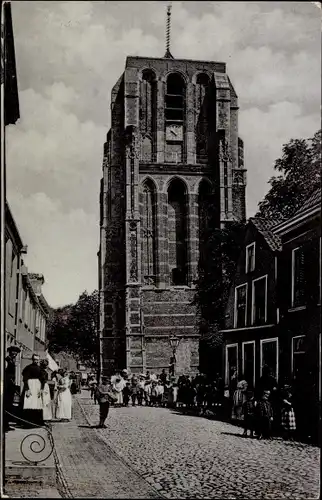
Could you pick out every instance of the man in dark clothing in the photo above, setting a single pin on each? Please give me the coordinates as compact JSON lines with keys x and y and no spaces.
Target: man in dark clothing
{"x":34,"y":381}
{"x":9,"y":384}
{"x":105,"y":394}
{"x":172,"y":365}
{"x":264,"y":416}
{"x":163,"y":377}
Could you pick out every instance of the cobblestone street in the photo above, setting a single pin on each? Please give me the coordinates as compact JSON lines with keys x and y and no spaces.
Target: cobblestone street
{"x":192,"y":457}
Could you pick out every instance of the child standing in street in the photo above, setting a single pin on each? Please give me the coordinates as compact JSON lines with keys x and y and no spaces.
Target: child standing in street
{"x":288,"y":416}
{"x":104,"y":395}
{"x":248,"y":410}
{"x":126,"y":394}
{"x":264,"y":415}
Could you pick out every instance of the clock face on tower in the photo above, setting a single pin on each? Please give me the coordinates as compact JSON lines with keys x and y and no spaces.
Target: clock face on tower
{"x":174,"y":132}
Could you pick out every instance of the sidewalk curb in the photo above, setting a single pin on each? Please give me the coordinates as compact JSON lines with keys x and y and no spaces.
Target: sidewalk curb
{"x":112,"y":452}
{"x":46,"y":474}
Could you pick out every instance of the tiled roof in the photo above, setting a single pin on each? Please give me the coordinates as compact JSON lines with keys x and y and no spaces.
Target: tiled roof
{"x":311,"y":201}
{"x":265,"y":227}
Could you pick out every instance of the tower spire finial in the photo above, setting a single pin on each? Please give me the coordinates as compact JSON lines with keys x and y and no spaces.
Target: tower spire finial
{"x":168,"y":54}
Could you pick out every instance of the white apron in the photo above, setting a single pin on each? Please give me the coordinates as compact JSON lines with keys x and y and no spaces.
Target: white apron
{"x":64,"y":401}
{"x":46,"y":399}
{"x":34,"y":401}
{"x":118,"y":388}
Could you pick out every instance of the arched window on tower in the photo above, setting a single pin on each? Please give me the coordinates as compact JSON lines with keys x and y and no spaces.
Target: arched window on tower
{"x":205,"y":202}
{"x":148,"y":231}
{"x":202,"y":86}
{"x":177,"y":232}
{"x":148,"y":115}
{"x":175,"y":118}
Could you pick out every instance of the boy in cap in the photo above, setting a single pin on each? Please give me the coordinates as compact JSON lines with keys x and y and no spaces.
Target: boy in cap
{"x":104,"y":394}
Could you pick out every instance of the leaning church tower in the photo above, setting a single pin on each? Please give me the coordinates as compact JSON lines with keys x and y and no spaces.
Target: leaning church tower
{"x":173,"y":145}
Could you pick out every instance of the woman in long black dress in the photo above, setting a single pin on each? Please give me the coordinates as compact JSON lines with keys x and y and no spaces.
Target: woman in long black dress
{"x":33,"y":380}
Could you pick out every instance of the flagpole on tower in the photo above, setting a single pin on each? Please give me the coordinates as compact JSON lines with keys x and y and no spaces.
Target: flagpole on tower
{"x":168,"y":54}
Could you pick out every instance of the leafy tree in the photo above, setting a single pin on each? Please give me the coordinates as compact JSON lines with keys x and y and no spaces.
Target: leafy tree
{"x":74,"y":329}
{"x":217,"y":265}
{"x":299,"y":171}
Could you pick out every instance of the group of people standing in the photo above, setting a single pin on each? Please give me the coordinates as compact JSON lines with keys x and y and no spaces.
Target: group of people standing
{"x":265,"y":411}
{"x":262,"y":412}
{"x":45,"y":394}
{"x":140,"y":389}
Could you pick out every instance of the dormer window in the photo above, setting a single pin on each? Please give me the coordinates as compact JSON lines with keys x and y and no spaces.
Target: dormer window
{"x":250,"y":258}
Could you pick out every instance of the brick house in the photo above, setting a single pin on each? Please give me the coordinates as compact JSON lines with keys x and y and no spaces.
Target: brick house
{"x":26,"y":309}
{"x":274,"y":307}
{"x":252,"y":315}
{"x":300,"y":307}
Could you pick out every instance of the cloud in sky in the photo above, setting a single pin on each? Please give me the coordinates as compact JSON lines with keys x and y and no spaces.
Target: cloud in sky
{"x":69,"y":55}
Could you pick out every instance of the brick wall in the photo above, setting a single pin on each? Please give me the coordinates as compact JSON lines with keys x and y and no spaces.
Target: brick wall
{"x":138,"y":315}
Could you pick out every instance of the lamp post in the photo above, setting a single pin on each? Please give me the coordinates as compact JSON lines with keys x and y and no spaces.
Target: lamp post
{"x":174,"y":342}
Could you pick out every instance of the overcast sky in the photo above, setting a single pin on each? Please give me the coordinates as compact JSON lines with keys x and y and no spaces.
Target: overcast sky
{"x":69,"y":54}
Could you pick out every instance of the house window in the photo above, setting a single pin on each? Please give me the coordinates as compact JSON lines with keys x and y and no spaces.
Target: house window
{"x":241,"y":306}
{"x":269,"y":356}
{"x":248,"y":362}
{"x":298,"y":353}
{"x":231,"y":361}
{"x":298,"y":277}
{"x":250,"y":258}
{"x":259,"y":315}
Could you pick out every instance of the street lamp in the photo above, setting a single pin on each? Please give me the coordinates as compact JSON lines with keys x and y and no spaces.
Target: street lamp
{"x":174,"y":342}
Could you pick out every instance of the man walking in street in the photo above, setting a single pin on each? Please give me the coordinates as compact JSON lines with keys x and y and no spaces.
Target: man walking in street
{"x":9,"y":384}
{"x":104,"y":395}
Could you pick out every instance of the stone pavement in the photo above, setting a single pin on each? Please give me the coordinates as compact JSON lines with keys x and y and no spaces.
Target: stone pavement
{"x":88,"y":467}
{"x":191,"y":457}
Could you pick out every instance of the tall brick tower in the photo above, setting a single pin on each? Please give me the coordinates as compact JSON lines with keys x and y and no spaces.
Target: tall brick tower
{"x":173,"y":146}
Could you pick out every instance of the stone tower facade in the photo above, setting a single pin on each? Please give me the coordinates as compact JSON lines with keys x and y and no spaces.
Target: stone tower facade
{"x":173,"y":146}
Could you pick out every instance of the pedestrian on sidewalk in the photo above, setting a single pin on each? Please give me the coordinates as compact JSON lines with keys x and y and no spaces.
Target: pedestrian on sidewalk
{"x":141,"y":383}
{"x":134,"y":390}
{"x":64,"y":399}
{"x":248,"y":410}
{"x":9,"y":384}
{"x":147,"y":390}
{"x":126,"y":394}
{"x":288,"y":421}
{"x":46,"y":398}
{"x":105,"y":395}
{"x":54,"y":392}
{"x":264,"y":415}
{"x":118,"y":384}
{"x":31,"y":396}
{"x":238,"y":400}
{"x":93,"y":384}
